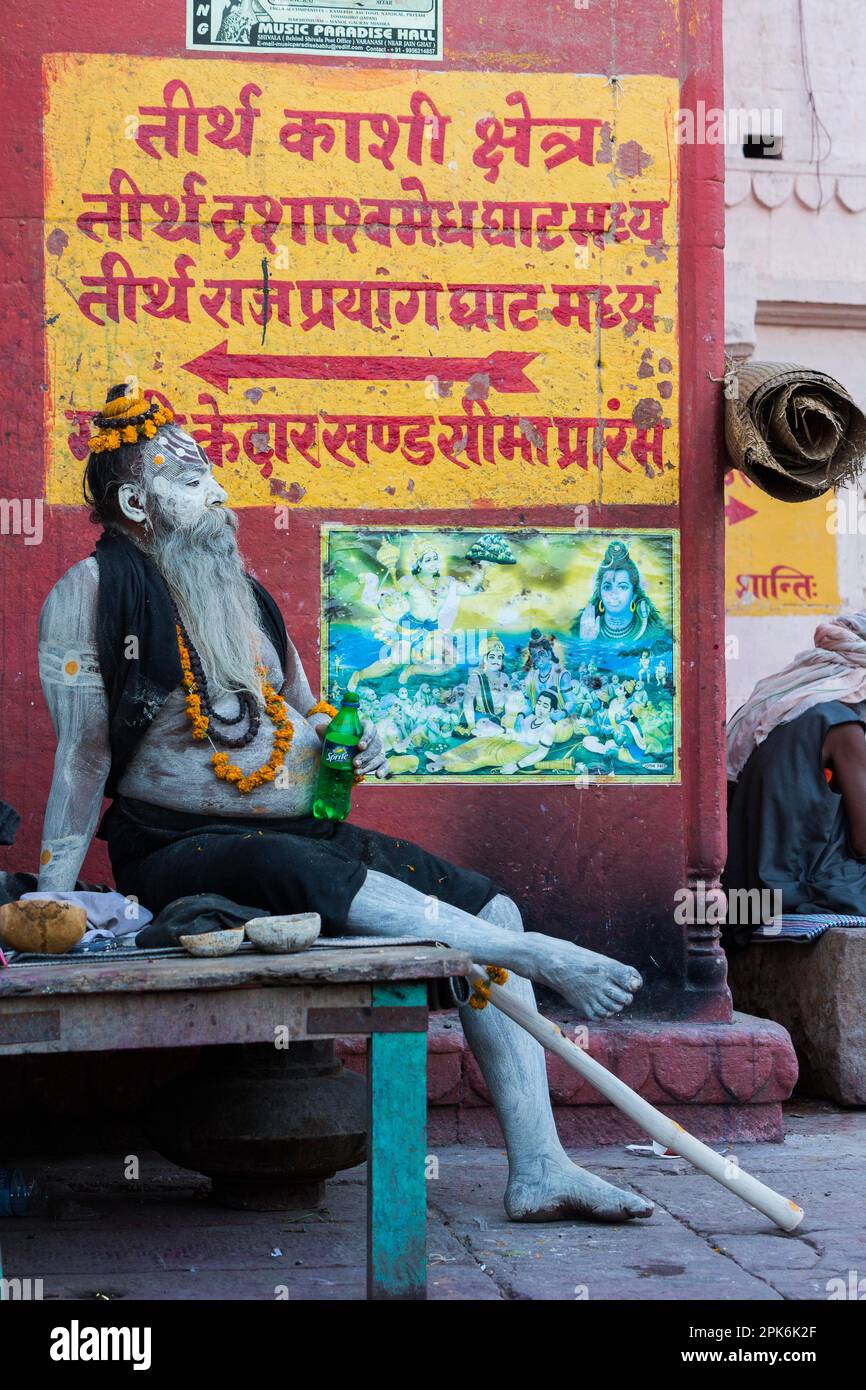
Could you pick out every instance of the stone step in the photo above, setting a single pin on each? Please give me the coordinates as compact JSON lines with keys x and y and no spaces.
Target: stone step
{"x":721,"y":1081}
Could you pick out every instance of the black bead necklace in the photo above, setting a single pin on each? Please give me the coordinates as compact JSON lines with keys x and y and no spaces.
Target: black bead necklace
{"x":246,"y":704}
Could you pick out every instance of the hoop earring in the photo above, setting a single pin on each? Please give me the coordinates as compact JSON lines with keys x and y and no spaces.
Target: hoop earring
{"x":600,"y":606}
{"x":633,"y":604}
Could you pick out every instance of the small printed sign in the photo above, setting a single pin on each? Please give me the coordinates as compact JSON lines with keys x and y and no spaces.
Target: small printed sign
{"x":381,"y":29}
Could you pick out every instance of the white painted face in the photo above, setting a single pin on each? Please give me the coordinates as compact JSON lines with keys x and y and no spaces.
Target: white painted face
{"x":187,"y":491}
{"x":494,"y":659}
{"x":179,"y":473}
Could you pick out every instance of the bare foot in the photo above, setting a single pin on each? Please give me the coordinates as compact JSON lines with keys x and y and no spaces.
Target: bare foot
{"x":552,"y":1188}
{"x":596,"y":985}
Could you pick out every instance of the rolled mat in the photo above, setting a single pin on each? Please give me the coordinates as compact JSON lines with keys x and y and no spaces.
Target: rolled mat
{"x":795,"y":432}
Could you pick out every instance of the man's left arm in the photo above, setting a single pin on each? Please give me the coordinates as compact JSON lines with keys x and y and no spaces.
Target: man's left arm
{"x":844,"y":752}
{"x":370,"y":759}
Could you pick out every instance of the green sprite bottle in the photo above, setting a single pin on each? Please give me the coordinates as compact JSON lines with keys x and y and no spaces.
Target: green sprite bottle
{"x":333,"y":796}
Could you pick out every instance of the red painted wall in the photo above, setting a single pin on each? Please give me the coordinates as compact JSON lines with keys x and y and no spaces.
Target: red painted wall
{"x":600,"y":863}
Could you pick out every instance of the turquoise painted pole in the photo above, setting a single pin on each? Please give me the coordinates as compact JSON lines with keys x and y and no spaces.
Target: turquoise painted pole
{"x":397,"y":1151}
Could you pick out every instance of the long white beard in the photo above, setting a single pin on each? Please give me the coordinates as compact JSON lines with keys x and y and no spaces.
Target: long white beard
{"x":203,"y":568}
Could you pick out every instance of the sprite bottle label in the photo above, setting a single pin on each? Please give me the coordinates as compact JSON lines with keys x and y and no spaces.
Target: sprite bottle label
{"x":332,"y":799}
{"x":338,"y":755}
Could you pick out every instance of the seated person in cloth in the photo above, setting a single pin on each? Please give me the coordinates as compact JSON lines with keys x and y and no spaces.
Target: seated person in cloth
{"x":797,"y":780}
{"x":166,"y":594}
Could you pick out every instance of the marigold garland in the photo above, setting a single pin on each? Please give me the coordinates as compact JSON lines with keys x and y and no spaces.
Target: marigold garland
{"x":126,"y":420}
{"x":322,"y":707}
{"x":480,"y":997}
{"x":275,"y":708}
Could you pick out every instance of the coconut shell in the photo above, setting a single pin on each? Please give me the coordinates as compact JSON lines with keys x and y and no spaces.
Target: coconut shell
{"x":44,"y":927}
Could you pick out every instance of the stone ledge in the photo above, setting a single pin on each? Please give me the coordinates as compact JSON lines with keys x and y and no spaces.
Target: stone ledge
{"x":817,"y":992}
{"x":722,"y":1081}
{"x":591,"y":1126}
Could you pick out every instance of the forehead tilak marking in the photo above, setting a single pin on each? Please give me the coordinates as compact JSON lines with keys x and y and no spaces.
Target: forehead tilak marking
{"x":177,"y":450}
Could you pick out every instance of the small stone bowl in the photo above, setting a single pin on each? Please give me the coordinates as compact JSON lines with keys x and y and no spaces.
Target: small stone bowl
{"x":282,"y":935}
{"x":214,"y":943}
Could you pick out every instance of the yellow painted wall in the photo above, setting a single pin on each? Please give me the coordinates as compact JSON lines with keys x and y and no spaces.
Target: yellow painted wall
{"x":93,"y":126}
{"x":780,"y":558}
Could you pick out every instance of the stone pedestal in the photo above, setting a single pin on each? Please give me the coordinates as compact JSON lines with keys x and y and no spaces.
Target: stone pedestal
{"x":817,"y":992}
{"x":267,"y":1125}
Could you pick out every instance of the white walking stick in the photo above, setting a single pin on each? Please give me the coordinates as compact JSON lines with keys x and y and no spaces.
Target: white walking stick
{"x":782,"y":1210}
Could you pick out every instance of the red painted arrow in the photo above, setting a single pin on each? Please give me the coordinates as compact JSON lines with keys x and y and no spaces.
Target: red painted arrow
{"x":505,"y":369}
{"x":736,"y":511}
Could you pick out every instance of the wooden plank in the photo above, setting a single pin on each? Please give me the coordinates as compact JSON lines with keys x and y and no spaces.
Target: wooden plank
{"x":396,"y":1182}
{"x":194,"y":1018}
{"x":129,"y":975}
{"x":335,"y":1022}
{"x":29,"y":1025}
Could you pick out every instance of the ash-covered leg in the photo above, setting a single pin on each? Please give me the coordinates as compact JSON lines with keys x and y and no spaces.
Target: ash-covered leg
{"x":543,"y":1185}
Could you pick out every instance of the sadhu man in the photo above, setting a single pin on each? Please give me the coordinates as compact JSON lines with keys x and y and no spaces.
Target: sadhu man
{"x":797,"y":761}
{"x":175,"y":689}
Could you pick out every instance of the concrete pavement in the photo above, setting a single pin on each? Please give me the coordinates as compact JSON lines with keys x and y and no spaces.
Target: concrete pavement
{"x":157,"y":1236}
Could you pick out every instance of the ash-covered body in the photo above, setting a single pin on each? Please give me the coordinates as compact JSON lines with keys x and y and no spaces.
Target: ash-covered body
{"x":161,"y":495}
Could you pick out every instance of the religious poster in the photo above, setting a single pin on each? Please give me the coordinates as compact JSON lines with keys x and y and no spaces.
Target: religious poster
{"x":780,"y":559}
{"x":518,"y":654}
{"x":377,"y":29}
{"x":368,"y":287}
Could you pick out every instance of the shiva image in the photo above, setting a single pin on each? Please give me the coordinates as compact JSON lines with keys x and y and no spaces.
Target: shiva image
{"x":541,"y":654}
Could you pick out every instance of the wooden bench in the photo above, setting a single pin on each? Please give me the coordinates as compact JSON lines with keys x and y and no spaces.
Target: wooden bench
{"x":130,"y":1000}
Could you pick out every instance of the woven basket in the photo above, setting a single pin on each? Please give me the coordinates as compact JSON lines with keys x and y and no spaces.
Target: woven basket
{"x":795,"y":432}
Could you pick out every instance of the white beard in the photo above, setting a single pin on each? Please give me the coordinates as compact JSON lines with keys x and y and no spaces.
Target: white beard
{"x":204,"y":570}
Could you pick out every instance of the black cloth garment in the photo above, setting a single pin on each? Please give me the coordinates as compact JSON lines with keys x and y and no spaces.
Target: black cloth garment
{"x":278,"y":865}
{"x":9,"y":823}
{"x":137,"y":643}
{"x":191,"y":916}
{"x":205,"y":912}
{"x":787,"y":828}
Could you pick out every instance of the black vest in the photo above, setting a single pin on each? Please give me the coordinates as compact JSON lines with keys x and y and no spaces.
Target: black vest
{"x":137,"y":643}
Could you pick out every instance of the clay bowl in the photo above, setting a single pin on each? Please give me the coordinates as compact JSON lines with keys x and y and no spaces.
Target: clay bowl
{"x":214,"y":943}
{"x":282,"y":935}
{"x":47,"y":928}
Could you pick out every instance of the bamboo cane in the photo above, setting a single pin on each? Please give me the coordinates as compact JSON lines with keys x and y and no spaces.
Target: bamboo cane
{"x":785,"y":1213}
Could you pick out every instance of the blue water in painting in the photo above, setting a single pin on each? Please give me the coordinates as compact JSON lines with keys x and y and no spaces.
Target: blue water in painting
{"x":358,"y":649}
{"x":353,"y":649}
